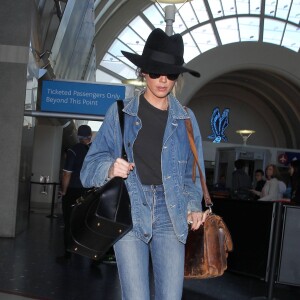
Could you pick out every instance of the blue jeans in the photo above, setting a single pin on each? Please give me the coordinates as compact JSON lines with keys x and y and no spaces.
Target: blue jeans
{"x":167,"y":255}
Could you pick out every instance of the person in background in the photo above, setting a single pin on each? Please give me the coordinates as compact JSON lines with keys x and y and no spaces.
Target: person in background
{"x":164,"y":198}
{"x":271,"y":189}
{"x":294,"y":170}
{"x":240,"y":179}
{"x":241,"y":182}
{"x":282,"y":188}
{"x":71,"y":186}
{"x":260,"y":182}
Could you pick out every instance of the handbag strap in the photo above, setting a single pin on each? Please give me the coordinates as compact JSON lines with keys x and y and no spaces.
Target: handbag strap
{"x":190,"y":132}
{"x":121,"y":121}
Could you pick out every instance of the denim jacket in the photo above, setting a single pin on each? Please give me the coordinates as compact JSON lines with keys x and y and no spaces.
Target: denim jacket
{"x":181,"y":193}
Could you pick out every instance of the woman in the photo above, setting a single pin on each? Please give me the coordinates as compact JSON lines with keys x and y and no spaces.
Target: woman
{"x":158,"y":172}
{"x":294,"y":171}
{"x":271,"y":189}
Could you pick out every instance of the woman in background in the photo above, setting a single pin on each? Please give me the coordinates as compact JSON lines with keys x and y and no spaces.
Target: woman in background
{"x":271,"y":189}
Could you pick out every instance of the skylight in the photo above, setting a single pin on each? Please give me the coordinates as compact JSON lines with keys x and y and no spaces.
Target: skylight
{"x":205,"y":27}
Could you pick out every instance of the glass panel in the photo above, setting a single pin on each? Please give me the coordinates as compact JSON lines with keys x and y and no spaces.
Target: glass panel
{"x":190,"y":49}
{"x":273,"y":31}
{"x":229,"y":7}
{"x":270,"y":7}
{"x":216,"y":8}
{"x":255,"y":7}
{"x":249,"y":29}
{"x":155,"y":17}
{"x":95,"y":125}
{"x":205,"y":37}
{"x":295,"y":13}
{"x":186,"y":12}
{"x":105,"y":78}
{"x":200,"y":10}
{"x":242,"y":6}
{"x":118,"y":66}
{"x":283,"y":9}
{"x":132,"y":40}
{"x":178,"y":26}
{"x":140,"y":27}
{"x":116,"y":47}
{"x":291,"y":38}
{"x":228,"y":30}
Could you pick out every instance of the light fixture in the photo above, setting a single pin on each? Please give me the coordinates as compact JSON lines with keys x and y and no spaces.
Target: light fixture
{"x":135,"y":82}
{"x":170,"y":11}
{"x":245,"y":134}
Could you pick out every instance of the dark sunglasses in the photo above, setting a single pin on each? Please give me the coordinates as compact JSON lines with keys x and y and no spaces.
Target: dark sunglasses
{"x":169,"y":76}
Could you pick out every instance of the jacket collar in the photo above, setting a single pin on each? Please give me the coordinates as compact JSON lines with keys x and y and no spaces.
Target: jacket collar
{"x":176,"y":110}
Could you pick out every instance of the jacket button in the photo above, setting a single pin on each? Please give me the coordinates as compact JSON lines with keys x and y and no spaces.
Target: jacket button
{"x":128,"y":144}
{"x":146,"y":234}
{"x":137,"y":123}
{"x":144,"y":203}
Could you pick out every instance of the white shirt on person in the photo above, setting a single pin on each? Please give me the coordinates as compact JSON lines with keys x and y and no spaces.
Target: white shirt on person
{"x":271,"y":190}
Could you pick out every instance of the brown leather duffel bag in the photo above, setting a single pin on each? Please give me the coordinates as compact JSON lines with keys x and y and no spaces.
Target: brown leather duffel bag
{"x":207,"y":248}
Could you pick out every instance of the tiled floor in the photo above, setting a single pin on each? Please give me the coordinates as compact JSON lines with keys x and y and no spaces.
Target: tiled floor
{"x":28,"y":270}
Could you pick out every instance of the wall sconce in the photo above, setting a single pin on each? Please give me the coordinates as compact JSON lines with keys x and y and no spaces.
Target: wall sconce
{"x":245,"y":134}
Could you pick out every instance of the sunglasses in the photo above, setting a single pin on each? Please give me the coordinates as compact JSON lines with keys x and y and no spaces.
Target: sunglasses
{"x":169,"y":76}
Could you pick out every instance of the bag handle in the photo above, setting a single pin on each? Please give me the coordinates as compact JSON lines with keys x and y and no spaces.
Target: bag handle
{"x":190,"y":132}
{"x":121,"y":121}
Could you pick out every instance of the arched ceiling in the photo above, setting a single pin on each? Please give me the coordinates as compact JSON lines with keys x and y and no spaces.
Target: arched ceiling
{"x":208,"y":25}
{"x":203,"y":24}
{"x":270,"y":95}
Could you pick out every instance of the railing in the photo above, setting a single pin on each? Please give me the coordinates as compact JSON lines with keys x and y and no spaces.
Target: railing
{"x":54,"y":184}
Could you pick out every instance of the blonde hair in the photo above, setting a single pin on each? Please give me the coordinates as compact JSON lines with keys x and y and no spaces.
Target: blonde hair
{"x":178,"y":85}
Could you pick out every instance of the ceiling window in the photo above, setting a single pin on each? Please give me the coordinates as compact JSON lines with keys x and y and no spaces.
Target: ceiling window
{"x":206,"y":25}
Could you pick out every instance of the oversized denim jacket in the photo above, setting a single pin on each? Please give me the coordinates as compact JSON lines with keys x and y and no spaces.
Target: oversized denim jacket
{"x":181,"y":193}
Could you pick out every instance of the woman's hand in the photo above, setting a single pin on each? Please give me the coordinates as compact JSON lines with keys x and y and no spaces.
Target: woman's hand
{"x":196,"y":219}
{"x":120,"y":168}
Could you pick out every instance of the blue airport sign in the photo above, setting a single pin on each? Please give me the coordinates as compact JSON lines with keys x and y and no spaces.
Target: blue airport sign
{"x":79,"y":97}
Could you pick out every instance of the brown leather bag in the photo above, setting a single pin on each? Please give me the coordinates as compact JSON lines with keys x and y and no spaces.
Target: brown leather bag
{"x":207,"y":248}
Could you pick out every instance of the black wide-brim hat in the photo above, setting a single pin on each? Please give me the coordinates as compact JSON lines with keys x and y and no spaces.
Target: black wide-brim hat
{"x":162,"y":54}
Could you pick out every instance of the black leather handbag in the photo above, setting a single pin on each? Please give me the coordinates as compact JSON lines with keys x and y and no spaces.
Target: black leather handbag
{"x":102,"y":216}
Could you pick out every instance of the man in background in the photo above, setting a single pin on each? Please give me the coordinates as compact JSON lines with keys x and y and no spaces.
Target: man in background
{"x":71,"y":187}
{"x":241,"y":181}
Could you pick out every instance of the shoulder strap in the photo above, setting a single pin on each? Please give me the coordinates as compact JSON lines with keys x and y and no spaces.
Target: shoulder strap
{"x":190,"y":132}
{"x":121,"y":120}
